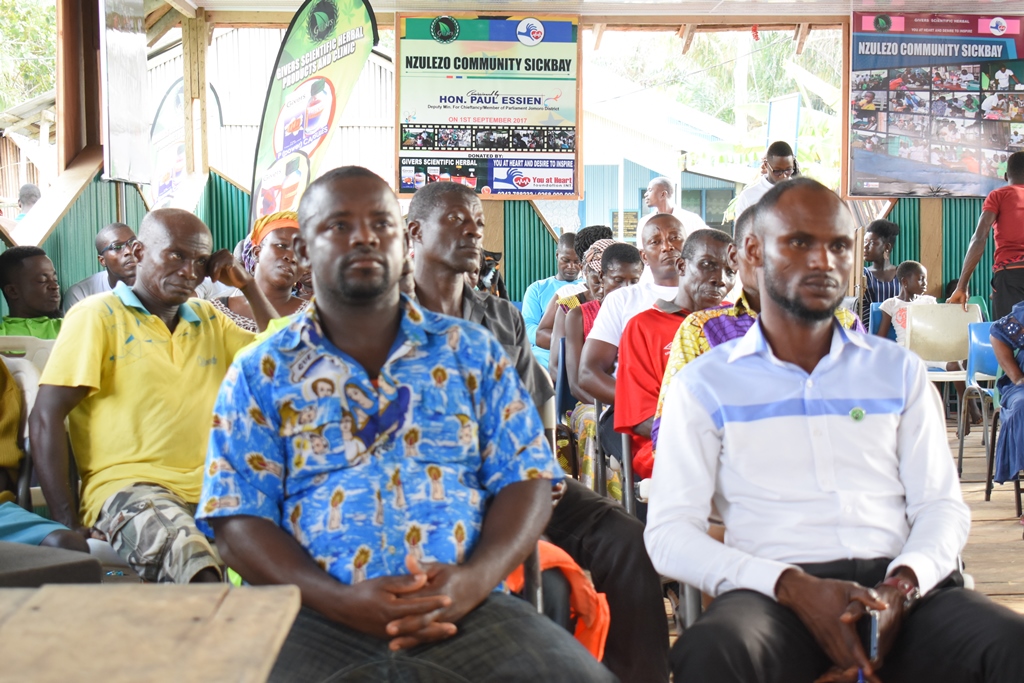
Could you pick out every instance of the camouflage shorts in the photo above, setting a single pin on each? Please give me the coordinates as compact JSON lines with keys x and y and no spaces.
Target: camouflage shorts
{"x":154,"y":531}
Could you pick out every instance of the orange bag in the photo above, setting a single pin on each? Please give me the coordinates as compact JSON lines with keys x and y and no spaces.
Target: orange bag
{"x":588,"y":606}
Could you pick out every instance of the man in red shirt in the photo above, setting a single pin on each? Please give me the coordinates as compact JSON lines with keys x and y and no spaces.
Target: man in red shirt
{"x":707,"y":271}
{"x":1003,"y":210}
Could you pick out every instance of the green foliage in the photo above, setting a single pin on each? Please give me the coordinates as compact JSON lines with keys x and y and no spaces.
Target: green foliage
{"x":28,"y":49}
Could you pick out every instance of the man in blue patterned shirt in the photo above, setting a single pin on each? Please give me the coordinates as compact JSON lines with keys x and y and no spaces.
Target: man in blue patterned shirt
{"x":389,"y":462}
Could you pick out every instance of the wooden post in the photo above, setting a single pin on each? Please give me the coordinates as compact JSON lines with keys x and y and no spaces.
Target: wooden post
{"x":193,"y":42}
{"x":931,"y":244}
{"x":70,"y":135}
{"x":844,"y":107}
{"x":494,"y":233}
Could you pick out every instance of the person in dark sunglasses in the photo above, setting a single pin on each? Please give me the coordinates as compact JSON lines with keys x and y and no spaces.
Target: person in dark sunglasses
{"x":113,"y":251}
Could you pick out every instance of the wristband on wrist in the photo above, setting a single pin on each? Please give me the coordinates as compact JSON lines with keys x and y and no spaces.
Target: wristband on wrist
{"x":911,"y":593}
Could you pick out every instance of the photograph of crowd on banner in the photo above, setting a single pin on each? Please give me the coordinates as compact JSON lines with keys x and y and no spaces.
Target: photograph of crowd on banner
{"x":937,"y":103}
{"x":489,"y":102}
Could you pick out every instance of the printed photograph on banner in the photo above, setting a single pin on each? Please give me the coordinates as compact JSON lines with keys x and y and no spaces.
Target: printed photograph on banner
{"x":955,"y":130}
{"x":413,"y":136}
{"x":1015,"y":141}
{"x":993,"y":162}
{"x":417,"y":172}
{"x":910,"y":78}
{"x":306,"y":117}
{"x":454,"y":138}
{"x":956,"y":77}
{"x":282,"y":185}
{"x":870,"y":100}
{"x":910,"y":102}
{"x":868,"y":120}
{"x":490,"y":90}
{"x":869,"y":80}
{"x":954,"y":94}
{"x":1004,"y":75}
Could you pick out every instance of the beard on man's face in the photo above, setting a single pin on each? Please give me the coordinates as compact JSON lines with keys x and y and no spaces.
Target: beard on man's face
{"x":793,"y":304}
{"x":363,"y":289}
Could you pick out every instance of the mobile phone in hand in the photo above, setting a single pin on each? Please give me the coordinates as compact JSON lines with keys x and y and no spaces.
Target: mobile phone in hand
{"x":867,"y":629}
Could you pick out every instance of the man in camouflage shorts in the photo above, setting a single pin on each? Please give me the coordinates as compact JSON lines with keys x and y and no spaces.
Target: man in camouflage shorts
{"x":136,"y":375}
{"x":154,"y":531}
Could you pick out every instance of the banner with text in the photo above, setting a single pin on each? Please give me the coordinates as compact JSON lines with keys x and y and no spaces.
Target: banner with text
{"x":489,"y":102}
{"x":937,"y":104}
{"x":320,"y":60}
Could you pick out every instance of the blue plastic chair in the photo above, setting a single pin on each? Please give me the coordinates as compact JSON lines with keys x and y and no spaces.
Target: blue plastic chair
{"x":875,"y":321}
{"x":519,"y":305}
{"x":982,"y":366}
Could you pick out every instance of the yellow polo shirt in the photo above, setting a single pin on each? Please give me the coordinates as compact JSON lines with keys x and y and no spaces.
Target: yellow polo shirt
{"x":151,"y":392}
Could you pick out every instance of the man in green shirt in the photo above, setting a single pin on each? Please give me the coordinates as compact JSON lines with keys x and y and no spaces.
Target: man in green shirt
{"x":29,"y":285}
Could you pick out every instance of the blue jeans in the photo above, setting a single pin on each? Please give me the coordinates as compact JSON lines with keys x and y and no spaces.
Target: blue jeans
{"x":503,"y":639}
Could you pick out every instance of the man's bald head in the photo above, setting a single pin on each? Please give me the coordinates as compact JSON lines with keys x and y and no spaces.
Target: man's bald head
{"x":160,"y":225}
{"x":172,"y":253}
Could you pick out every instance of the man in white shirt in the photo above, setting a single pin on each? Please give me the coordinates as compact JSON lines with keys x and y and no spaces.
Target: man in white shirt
{"x":993,"y":101}
{"x":662,"y":242}
{"x":778,"y":164}
{"x":825,"y":453}
{"x":658,"y":198}
{"x":113,"y":251}
{"x":1003,"y":76}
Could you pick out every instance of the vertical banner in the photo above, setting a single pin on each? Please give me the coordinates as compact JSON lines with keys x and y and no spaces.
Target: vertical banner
{"x":490,"y":102}
{"x":321,"y":57}
{"x":937,"y":104}
{"x":123,"y":55}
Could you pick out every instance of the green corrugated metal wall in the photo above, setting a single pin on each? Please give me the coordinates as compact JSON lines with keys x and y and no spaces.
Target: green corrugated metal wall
{"x":224,"y":208}
{"x":959,"y":219}
{"x":907,"y":215}
{"x":529,"y":248}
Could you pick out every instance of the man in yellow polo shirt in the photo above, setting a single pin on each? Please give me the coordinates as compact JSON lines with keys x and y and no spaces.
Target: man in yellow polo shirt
{"x":137,"y":371}
{"x":29,"y":285}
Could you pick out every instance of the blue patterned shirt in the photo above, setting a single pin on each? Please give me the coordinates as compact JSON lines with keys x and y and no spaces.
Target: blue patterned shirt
{"x":362,"y":473}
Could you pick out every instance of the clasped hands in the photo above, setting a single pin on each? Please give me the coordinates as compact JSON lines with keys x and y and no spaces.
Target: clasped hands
{"x":830,"y":610}
{"x":421,"y":607}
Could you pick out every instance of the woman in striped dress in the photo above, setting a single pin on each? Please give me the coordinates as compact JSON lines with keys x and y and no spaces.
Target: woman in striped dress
{"x":880,"y":282}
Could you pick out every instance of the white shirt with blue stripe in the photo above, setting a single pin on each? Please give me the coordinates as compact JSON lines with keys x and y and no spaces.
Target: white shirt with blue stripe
{"x":849,"y":461}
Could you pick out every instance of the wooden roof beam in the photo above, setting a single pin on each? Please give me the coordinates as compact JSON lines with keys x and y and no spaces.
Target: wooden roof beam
{"x":800,"y":36}
{"x":156,"y":15}
{"x":161,"y":27}
{"x":686,"y":33}
{"x":598,"y":34}
{"x":186,"y":7}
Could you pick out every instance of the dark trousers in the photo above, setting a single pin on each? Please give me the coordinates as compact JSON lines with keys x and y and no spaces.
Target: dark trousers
{"x":502,"y":640}
{"x":953,"y":635}
{"x":603,"y":539}
{"x":1007,"y":291}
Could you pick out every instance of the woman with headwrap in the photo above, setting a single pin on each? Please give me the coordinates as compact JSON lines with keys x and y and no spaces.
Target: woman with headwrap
{"x":270,"y":257}
{"x":592,"y":280}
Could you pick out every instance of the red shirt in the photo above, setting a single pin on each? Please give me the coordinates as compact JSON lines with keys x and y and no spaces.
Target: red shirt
{"x":643,"y":355}
{"x":1007,"y":203}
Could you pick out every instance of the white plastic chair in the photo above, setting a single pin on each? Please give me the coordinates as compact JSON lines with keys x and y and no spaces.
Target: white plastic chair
{"x":30,"y":348}
{"x":940,"y":333}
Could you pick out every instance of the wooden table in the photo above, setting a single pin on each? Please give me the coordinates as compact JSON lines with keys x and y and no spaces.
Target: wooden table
{"x":143,"y":632}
